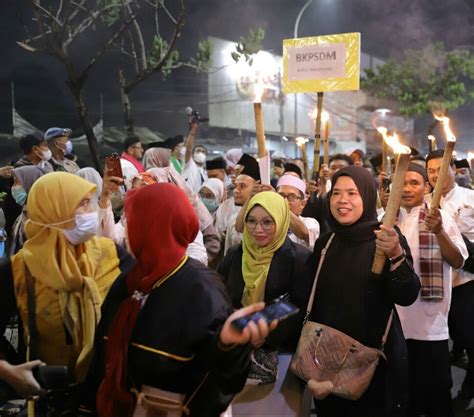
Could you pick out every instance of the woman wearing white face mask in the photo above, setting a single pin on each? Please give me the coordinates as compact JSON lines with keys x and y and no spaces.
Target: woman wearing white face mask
{"x":23,"y":180}
{"x":67,"y":271}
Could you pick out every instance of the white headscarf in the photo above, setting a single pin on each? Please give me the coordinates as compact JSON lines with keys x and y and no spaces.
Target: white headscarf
{"x":217,"y":188}
{"x":91,"y":175}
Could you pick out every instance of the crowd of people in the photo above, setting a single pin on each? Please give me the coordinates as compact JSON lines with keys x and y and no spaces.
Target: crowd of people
{"x":129,"y":281}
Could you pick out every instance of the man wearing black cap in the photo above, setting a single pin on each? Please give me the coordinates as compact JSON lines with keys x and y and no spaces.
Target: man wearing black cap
{"x":459,"y":203}
{"x":463,"y":173}
{"x":176,"y":145}
{"x":215,"y":168}
{"x":437,"y":248}
{"x":227,"y":213}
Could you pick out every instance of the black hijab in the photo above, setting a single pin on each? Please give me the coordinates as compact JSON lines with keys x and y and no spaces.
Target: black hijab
{"x":363,"y":228}
{"x":345,"y":293}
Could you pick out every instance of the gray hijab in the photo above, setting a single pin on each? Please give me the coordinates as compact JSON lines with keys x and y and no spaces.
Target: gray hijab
{"x":27,"y":175}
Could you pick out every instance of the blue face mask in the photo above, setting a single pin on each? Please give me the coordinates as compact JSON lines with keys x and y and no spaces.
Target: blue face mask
{"x":210,"y":204}
{"x":19,"y":194}
{"x":68,"y":147}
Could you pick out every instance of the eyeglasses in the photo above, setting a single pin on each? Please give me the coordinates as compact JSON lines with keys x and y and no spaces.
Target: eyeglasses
{"x":292,"y":198}
{"x":266,"y":224}
{"x":207,"y":195}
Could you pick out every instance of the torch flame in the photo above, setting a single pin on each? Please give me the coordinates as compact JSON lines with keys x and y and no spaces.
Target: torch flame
{"x":431,"y":137}
{"x":324,"y":115}
{"x":393,"y":141}
{"x":449,"y":134}
{"x":259,"y":89}
{"x":300,"y":141}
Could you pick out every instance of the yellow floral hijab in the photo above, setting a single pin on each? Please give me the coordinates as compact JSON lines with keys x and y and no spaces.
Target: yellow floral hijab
{"x":69,"y":271}
{"x":256,"y":260}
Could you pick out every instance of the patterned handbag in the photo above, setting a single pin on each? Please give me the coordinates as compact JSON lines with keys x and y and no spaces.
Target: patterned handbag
{"x":330,"y":361}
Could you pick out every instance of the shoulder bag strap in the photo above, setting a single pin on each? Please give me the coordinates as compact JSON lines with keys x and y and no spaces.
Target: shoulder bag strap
{"x":387,"y":329}
{"x":33,"y":330}
{"x":313,"y":292}
{"x":318,"y":270}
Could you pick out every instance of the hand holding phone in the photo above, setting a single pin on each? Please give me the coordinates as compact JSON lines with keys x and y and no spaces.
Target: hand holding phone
{"x":279,"y":309}
{"x":51,"y":377}
{"x":113,"y":166}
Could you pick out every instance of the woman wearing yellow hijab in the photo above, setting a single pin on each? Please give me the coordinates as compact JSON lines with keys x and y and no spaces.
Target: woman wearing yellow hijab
{"x":63,"y":273}
{"x":265,"y":266}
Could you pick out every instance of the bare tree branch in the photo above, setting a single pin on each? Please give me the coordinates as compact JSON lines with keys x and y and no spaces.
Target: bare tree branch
{"x":60,"y":9}
{"x":141,"y":43}
{"x":162,"y":5}
{"x":105,"y":47}
{"x":157,"y":67}
{"x":38,"y":6}
{"x":87,"y":22}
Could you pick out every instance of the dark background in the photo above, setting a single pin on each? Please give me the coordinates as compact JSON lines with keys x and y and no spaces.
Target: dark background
{"x":387,"y":27}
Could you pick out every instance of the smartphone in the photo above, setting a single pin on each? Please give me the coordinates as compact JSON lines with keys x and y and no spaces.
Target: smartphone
{"x":51,"y":377}
{"x":386,"y":184}
{"x":279,"y":309}
{"x":112,"y":163}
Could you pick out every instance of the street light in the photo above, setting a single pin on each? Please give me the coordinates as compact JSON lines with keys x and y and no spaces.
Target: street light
{"x":295,"y":35}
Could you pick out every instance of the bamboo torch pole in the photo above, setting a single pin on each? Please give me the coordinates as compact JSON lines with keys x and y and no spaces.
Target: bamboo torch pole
{"x":403,"y":157}
{"x":443,"y":170}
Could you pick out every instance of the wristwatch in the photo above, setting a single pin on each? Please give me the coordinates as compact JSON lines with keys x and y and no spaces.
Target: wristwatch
{"x":393,"y":261}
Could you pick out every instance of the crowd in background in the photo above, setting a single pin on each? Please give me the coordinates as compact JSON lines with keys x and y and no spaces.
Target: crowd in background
{"x":131,"y":278}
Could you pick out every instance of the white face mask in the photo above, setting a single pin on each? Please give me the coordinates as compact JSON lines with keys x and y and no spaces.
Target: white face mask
{"x":45,"y":155}
{"x":87,"y":226}
{"x":182,"y":152}
{"x":199,"y":157}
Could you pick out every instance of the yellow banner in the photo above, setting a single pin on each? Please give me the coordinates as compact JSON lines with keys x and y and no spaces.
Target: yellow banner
{"x":321,"y":63}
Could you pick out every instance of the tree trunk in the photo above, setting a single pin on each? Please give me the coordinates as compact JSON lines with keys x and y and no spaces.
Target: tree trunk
{"x":87,"y":127}
{"x":127,"y":107}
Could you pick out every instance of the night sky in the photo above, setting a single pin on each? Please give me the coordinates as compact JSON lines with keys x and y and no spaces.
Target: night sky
{"x":42,"y":96}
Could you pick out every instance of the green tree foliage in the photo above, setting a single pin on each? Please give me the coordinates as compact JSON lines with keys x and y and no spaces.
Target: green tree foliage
{"x":249,"y":45}
{"x":203,"y":61}
{"x":424,"y":80}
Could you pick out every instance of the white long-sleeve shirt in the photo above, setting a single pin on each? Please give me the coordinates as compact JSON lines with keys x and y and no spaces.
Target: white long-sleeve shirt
{"x":116,"y":232}
{"x":459,"y":204}
{"x":313,"y":232}
{"x":226,"y":215}
{"x":428,"y":320}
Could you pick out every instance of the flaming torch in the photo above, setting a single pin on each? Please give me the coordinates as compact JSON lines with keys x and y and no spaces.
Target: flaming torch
{"x":433,"y":145}
{"x":301,"y":142}
{"x":443,"y":171}
{"x":403,"y":153}
{"x":263,"y":160}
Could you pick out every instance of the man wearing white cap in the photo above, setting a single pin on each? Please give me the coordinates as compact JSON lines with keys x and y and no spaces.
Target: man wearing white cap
{"x":303,"y":230}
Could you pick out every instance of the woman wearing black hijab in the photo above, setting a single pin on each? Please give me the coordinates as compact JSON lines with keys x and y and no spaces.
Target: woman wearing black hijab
{"x":351,"y":299}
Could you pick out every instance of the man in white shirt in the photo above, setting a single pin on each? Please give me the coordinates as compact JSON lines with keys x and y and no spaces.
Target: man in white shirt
{"x":226,"y":214}
{"x":194,"y":160}
{"x":458,"y":202}
{"x":436,"y":246}
{"x":130,"y":159}
{"x":302,"y":230}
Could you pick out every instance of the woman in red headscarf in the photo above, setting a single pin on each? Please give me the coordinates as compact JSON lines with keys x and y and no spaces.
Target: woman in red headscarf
{"x":167,"y":325}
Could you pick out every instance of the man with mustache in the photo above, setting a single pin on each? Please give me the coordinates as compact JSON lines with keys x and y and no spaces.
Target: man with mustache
{"x":437,"y":247}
